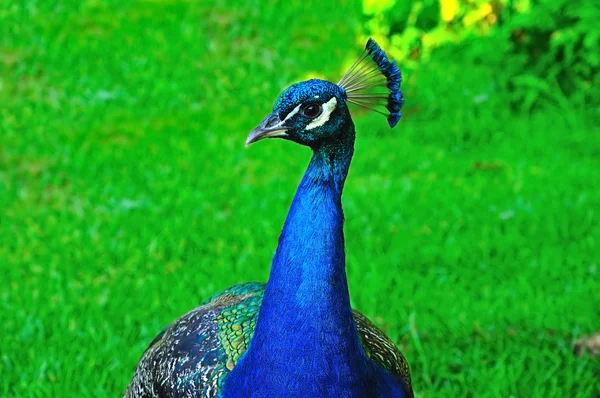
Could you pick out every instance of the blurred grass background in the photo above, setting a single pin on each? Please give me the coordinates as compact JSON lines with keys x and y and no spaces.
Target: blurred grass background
{"x":127,"y":196}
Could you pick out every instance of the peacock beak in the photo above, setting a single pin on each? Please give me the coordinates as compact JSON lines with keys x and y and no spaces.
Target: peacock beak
{"x":271,"y":127}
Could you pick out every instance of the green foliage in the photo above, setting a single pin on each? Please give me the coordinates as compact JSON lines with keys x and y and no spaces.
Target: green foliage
{"x":127,"y":196}
{"x":556,"y":46}
{"x":542,"y":52}
{"x":416,"y":28}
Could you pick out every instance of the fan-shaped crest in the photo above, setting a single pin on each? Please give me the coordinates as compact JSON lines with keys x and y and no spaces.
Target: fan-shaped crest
{"x":371,"y":72}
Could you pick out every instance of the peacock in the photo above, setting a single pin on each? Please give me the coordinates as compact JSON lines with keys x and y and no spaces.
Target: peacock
{"x":296,"y":336}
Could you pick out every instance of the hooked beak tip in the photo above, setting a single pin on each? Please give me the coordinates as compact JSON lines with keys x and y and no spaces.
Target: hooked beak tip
{"x":255,"y":135}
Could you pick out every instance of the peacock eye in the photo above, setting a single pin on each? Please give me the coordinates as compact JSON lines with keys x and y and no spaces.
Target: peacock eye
{"x":312,"y":110}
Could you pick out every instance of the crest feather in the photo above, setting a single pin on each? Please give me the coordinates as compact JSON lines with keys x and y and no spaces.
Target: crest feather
{"x":365,"y":78}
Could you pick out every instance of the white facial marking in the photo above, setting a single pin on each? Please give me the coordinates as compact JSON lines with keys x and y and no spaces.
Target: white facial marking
{"x":328,"y":107}
{"x":291,"y":114}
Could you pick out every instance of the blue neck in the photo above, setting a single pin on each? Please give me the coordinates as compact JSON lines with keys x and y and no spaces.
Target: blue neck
{"x":305,"y":342}
{"x":306,"y":309}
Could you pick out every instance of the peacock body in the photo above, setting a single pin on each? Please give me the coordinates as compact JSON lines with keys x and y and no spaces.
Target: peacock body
{"x":296,"y":336}
{"x":192,"y":357}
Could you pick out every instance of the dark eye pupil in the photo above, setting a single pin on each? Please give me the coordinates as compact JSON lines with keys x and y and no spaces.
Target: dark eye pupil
{"x":312,"y":110}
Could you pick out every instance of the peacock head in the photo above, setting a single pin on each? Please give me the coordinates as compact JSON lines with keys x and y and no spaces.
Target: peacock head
{"x":315,"y":111}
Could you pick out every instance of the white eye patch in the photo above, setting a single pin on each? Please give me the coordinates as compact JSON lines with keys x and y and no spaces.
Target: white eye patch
{"x":328,"y":108}
{"x":292,"y":113}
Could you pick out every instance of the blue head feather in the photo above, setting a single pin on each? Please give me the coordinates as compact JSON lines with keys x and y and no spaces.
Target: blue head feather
{"x":361,"y":77}
{"x":331,"y":116}
{"x":292,"y":119}
{"x":299,"y":93}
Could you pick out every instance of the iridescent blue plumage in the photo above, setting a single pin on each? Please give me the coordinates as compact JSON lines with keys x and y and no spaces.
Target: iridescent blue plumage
{"x":299,"y":92}
{"x":298,"y":335}
{"x":394,"y":78}
{"x":363,"y":77}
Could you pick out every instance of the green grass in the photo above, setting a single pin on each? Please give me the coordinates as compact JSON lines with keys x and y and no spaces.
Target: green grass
{"x":127,"y":197}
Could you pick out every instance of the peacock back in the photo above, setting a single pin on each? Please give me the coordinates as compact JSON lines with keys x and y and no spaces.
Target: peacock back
{"x":193,"y":355}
